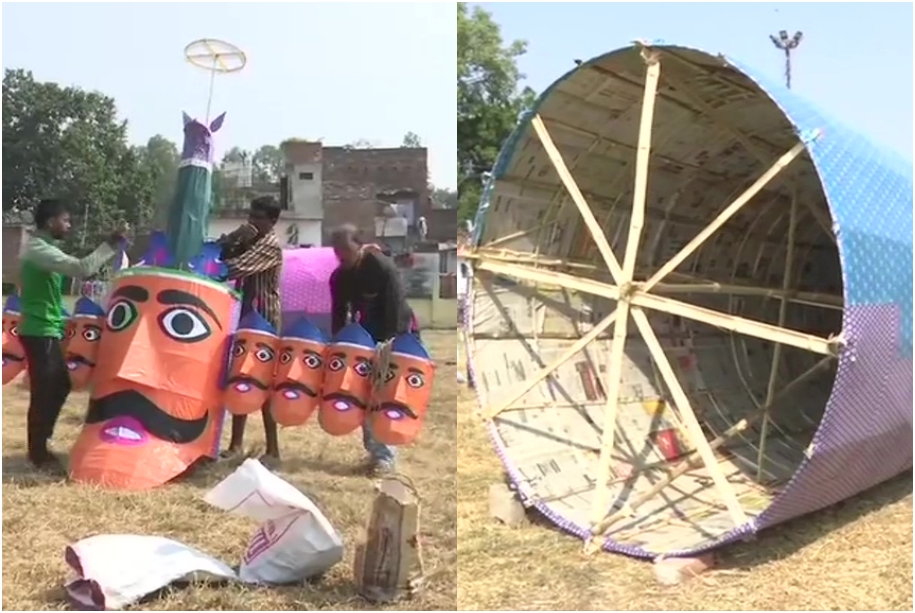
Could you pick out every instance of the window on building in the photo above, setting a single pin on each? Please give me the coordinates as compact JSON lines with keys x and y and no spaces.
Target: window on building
{"x":306,"y":176}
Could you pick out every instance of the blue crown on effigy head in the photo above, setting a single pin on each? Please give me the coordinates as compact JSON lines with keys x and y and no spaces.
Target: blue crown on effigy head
{"x":208,"y":263}
{"x":354,"y":334}
{"x":408,"y":344}
{"x":255,"y":322}
{"x":87,"y":306}
{"x":12,"y":304}
{"x":303,"y":329}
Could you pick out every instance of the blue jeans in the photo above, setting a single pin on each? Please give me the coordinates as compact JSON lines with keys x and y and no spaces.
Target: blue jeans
{"x":381,"y":453}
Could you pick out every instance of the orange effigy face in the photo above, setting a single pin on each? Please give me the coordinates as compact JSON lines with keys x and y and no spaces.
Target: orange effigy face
{"x":401,"y":405}
{"x":86,"y":324}
{"x":300,"y":374}
{"x":254,"y":353}
{"x":347,"y":381}
{"x":156,"y":404}
{"x":13,"y":353}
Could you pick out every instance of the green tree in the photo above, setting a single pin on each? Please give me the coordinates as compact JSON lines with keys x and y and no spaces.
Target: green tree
{"x":411,"y":139}
{"x":161,"y":156}
{"x":489,"y":99}
{"x":267,"y":164}
{"x":236,"y":154}
{"x":68,"y":143}
{"x":160,"y":159}
{"x":444,"y":198}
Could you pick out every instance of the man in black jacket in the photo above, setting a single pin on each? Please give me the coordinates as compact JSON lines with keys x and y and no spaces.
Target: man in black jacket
{"x":367,"y":282}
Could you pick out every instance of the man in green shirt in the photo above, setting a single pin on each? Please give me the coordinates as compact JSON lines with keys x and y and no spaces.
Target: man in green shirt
{"x":41,"y":327}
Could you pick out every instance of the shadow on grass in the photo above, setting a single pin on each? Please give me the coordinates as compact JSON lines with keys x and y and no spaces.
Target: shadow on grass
{"x":19,"y":472}
{"x":790,"y":537}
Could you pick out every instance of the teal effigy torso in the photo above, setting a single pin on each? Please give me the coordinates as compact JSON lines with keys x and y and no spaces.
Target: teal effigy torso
{"x":188,"y":217}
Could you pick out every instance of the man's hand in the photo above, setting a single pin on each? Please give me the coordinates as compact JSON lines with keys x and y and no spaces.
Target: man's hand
{"x":372,"y":248}
{"x":242,"y":234}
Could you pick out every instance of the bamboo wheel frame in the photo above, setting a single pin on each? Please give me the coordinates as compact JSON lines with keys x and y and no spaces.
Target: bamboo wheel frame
{"x":633,"y":298}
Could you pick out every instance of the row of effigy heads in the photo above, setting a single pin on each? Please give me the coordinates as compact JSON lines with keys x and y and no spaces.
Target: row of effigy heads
{"x":299,"y":372}
{"x":344,"y":379}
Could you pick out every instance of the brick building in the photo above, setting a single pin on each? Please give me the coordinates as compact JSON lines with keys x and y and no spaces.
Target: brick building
{"x":382,"y":191}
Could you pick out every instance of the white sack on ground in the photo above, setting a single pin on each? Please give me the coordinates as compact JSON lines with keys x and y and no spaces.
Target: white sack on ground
{"x":294,"y":541}
{"x":114,"y":571}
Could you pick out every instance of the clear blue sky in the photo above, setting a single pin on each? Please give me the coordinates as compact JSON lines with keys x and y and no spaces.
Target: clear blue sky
{"x":855,"y":60}
{"x":340,"y":72}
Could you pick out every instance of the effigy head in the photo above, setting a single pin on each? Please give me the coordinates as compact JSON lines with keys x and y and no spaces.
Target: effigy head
{"x":13,"y":353}
{"x":299,"y":375}
{"x":156,"y":402}
{"x":252,"y":365}
{"x":198,"y":139}
{"x":81,"y":351}
{"x":400,"y":407}
{"x":347,"y":380}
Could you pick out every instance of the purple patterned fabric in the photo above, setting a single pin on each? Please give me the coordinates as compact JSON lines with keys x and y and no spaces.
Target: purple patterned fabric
{"x":305,"y":284}
{"x":198,"y":140}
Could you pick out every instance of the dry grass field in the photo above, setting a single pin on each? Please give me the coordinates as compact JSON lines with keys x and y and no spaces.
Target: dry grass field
{"x":41,"y":516}
{"x":856,"y":556}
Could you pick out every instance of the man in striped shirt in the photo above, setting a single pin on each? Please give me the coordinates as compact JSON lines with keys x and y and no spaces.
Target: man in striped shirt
{"x":254,"y":258}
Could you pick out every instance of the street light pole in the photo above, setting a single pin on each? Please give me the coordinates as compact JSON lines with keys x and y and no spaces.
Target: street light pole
{"x":787,"y":45}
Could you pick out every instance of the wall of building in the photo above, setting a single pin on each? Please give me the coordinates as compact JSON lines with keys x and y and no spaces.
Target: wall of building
{"x":308,"y":231}
{"x":435,"y":314}
{"x":355,"y":181}
{"x":305,"y":172}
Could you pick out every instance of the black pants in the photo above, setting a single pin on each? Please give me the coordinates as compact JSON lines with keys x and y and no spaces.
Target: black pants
{"x":49,"y":386}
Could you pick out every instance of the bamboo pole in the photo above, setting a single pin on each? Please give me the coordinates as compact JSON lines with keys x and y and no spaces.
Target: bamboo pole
{"x":624,"y":279}
{"x":532,"y":382}
{"x":587,"y":214}
{"x":697,"y":285}
{"x":688,"y":417}
{"x":686,"y":464}
{"x":777,"y":350}
{"x":509,"y":237}
{"x":826,"y":301}
{"x":551,"y":277}
{"x":725,"y":321}
{"x":734,"y":323}
{"x":726,"y":214}
{"x":822,"y":220}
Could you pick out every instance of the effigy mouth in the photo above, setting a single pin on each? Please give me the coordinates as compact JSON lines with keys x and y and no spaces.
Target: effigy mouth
{"x":144,"y":416}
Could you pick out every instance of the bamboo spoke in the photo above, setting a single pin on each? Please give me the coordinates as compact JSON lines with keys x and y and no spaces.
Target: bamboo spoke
{"x":725,"y":215}
{"x":734,"y":323}
{"x":696,"y":285}
{"x":777,"y":350}
{"x":725,"y":321}
{"x":819,"y":216}
{"x":603,"y":527}
{"x":510,"y":237}
{"x":532,"y":382}
{"x":688,"y":417}
{"x":620,"y":328}
{"x":825,"y":301}
{"x":550,"y":277}
{"x":587,"y":214}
